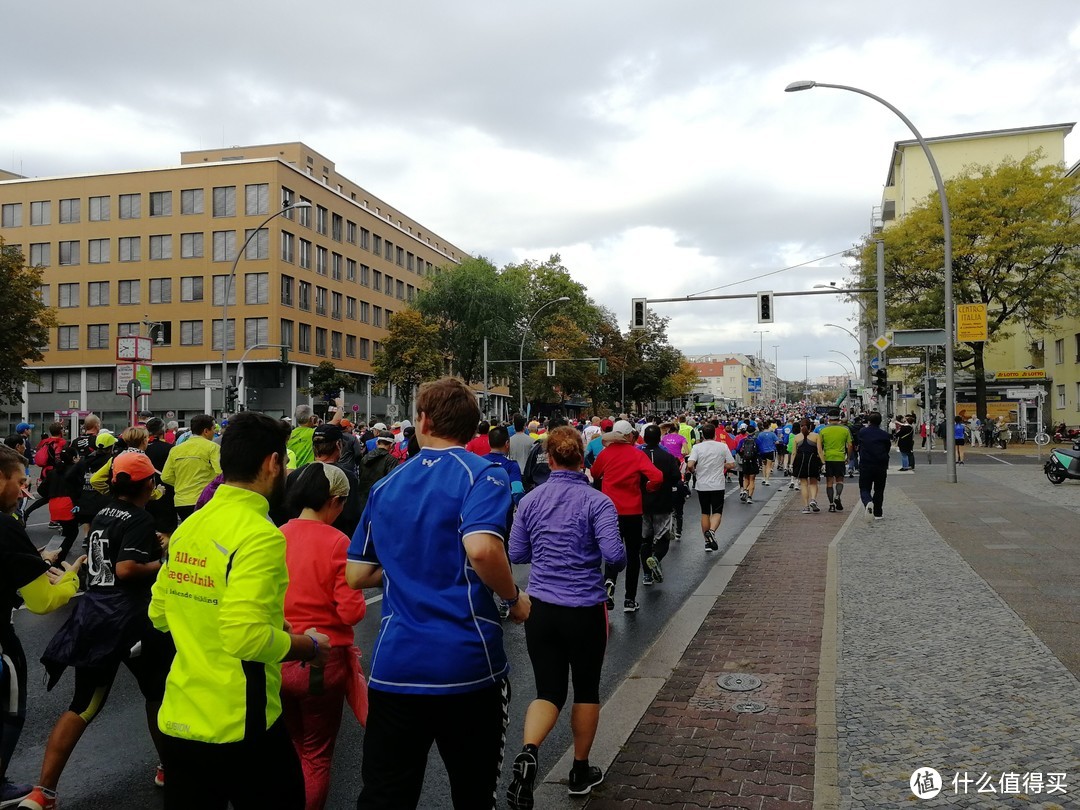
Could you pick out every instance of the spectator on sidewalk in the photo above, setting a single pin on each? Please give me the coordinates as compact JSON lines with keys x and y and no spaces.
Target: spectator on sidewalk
{"x":874,"y":444}
{"x":567,"y":530}
{"x":905,"y":443}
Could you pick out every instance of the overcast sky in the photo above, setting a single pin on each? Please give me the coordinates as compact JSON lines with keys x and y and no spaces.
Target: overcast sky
{"x":650,"y":144}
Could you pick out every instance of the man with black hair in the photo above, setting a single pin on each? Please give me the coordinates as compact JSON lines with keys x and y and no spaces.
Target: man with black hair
{"x":536,"y":469}
{"x":836,"y":443}
{"x":657,"y":507}
{"x":874,"y":445}
{"x":221,"y":595}
{"x":192,"y":465}
{"x":163,"y":509}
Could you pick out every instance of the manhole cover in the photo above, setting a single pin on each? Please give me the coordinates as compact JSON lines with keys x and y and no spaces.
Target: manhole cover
{"x":749,"y":706}
{"x":740,"y":682}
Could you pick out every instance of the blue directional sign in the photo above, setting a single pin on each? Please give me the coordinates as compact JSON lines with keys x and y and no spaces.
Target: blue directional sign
{"x":753,"y":385}
{"x":875,"y":364}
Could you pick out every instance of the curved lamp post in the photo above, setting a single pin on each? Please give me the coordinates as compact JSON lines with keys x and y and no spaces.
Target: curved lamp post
{"x":854,"y":373}
{"x":946,"y":223}
{"x":521,"y":353}
{"x":225,"y":300}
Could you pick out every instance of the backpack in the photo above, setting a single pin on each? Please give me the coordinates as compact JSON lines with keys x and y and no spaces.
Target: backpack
{"x":400,"y":451}
{"x":748,"y":450}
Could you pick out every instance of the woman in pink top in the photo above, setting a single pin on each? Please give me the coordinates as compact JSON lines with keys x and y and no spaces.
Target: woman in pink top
{"x":318,"y":597}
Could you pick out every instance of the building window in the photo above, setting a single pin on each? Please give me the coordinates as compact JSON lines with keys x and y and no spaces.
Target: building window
{"x":128,"y":329}
{"x":304,"y":339}
{"x":1059,"y":351}
{"x":287,"y":198}
{"x":256,"y":332}
{"x":41,"y":213}
{"x":365,"y":275}
{"x":161,"y":203}
{"x":100,"y":380}
{"x":225,"y":201}
{"x":399,"y":258}
{"x":336,"y":226}
{"x":98,"y":294}
{"x":191,"y":201}
{"x":99,"y":209}
{"x":320,"y":219}
{"x":365,"y":348}
{"x":191,"y":288}
{"x":1060,"y":393}
{"x":400,"y":290}
{"x":288,"y":247}
{"x":191,"y":332}
{"x":376,"y":281}
{"x":335,"y":306}
{"x":257,"y":288}
{"x":185,"y":378}
{"x":163,"y":379}
{"x":43,"y":295}
{"x":286,"y":337}
{"x":410,"y":263}
{"x":410,"y":293}
{"x":161,"y":247}
{"x":67,"y":338}
{"x":191,"y":246}
{"x":321,"y":262}
{"x":1076,"y":339}
{"x":350,"y":232}
{"x":365,"y":239}
{"x":44,"y":385}
{"x":219,"y":290}
{"x":287,"y":290}
{"x":224,"y":246}
{"x":68,"y":295}
{"x":130,"y":206}
{"x":257,"y":199}
{"x":305,"y":253}
{"x":130,"y":248}
{"x":98,"y":250}
{"x":335,"y":266}
{"x":11,"y":215}
{"x":97,"y":336}
{"x":69,"y":210}
{"x":69,"y":253}
{"x":161,"y":291}
{"x":376,"y":346}
{"x":376,"y":244}
{"x":320,"y":342}
{"x":335,"y":345}
{"x":304,"y":296}
{"x":389,"y":250}
{"x":305,"y":213}
{"x":67,"y":381}
{"x":129,"y":292}
{"x":365,"y":312}
{"x":259,"y":246}
{"x":320,"y":300}
{"x":216,"y":340}
{"x":350,"y":270}
{"x":376,"y":319}
{"x":350,"y":308}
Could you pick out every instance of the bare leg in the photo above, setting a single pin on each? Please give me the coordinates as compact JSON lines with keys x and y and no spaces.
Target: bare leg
{"x":584,"y":718}
{"x":805,"y":489}
{"x":62,"y":741}
{"x":540,"y":719}
{"x":812,"y":487}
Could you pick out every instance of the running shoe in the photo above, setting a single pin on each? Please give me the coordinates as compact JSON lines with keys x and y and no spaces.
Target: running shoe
{"x":655,"y":572}
{"x":54,"y":525}
{"x":878,"y":517}
{"x":870,"y":509}
{"x":839,"y":506}
{"x":710,"y":542}
{"x":159,"y":774}
{"x":37,"y":800}
{"x":791,"y":485}
{"x":832,"y":507}
{"x":609,"y":586}
{"x":646,"y":578}
{"x":630,"y":606}
{"x":814,"y":506}
{"x":806,"y":510}
{"x":797,"y":488}
{"x":742,"y":495}
{"x":11,"y":793}
{"x":519,"y":796}
{"x":749,"y":499}
{"x":583,"y":780}
{"x":765,"y":483}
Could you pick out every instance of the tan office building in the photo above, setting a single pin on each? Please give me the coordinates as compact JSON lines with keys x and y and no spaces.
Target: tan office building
{"x":149,"y":252}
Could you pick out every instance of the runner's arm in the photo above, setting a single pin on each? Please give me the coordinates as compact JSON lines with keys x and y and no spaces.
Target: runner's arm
{"x":42,"y":596}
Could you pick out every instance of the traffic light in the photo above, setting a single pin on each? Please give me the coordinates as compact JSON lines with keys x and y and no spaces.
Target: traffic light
{"x":230,"y":397}
{"x":933,"y":392}
{"x":640,"y":314}
{"x":603,"y":365}
{"x":284,"y":355}
{"x":551,"y":368}
{"x":881,"y":383}
{"x":764,"y":307}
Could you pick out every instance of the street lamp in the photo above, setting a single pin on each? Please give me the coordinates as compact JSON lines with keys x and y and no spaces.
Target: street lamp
{"x":855,"y":374}
{"x":946,"y":224}
{"x":521,"y":353}
{"x":761,"y":358}
{"x":225,"y":300}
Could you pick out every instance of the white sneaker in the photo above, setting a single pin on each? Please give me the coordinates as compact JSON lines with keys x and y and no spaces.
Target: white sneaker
{"x":765,"y":483}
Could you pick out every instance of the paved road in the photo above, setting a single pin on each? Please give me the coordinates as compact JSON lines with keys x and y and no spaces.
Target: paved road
{"x":114,"y":764}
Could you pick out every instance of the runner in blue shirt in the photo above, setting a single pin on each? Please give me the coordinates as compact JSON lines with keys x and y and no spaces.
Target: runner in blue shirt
{"x":766,"y":442}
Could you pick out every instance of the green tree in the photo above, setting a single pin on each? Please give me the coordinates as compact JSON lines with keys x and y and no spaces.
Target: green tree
{"x":1015,"y":237}
{"x":325,"y":381}
{"x":25,"y":322}
{"x":409,"y":354}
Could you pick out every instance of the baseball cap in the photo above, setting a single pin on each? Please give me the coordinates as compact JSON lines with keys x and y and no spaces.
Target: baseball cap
{"x":396,"y":426}
{"x":339,"y":482}
{"x":606,"y":425}
{"x":23,"y":426}
{"x":385,"y":436}
{"x":105,"y":439}
{"x":345,"y":423}
{"x":405,"y":423}
{"x":135,"y":464}
{"x":378,"y":426}
{"x":623,"y":427}
{"x":327,"y":433}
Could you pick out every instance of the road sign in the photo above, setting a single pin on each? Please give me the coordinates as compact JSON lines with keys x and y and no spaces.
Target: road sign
{"x":905,"y":361}
{"x":170,"y":414}
{"x":126,"y":372}
{"x":753,"y":385}
{"x":907,"y":396}
{"x":875,"y":364}
{"x":210,"y":383}
{"x":971,"y":323}
{"x":1023,"y":393}
{"x":918,"y":337}
{"x":882,"y":343}
{"x":356,"y":408}
{"x":134,"y":388}
{"x":73,"y":403}
{"x":391,"y":410}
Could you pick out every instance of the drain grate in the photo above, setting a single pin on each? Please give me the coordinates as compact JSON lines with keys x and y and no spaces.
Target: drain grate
{"x":749,"y":706}
{"x":739,"y":682}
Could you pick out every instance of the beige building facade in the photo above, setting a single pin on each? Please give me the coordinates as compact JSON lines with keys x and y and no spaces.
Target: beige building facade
{"x":149,"y":252}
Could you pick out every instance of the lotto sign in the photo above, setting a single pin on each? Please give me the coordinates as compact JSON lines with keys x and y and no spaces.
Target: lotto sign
{"x":971,"y":323}
{"x":1022,"y":374}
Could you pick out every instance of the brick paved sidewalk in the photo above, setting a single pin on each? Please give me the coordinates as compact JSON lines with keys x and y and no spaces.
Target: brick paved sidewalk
{"x":691,"y":749}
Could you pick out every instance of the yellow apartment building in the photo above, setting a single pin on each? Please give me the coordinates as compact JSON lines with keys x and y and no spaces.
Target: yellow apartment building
{"x":909,"y":182}
{"x":149,"y":253}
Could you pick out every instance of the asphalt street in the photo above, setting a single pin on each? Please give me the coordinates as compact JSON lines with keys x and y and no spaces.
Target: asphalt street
{"x":113,"y":766}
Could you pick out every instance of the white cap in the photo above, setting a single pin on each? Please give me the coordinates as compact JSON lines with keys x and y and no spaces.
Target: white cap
{"x":378,"y":426}
{"x":623,"y":427}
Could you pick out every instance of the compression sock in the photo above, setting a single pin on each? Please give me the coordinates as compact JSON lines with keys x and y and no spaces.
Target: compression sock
{"x":839,"y":490}
{"x":829,"y":492}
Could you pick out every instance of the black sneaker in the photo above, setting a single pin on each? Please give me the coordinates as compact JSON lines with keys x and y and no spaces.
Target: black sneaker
{"x":814,"y":506}
{"x":655,"y":572}
{"x":832,"y":507}
{"x":646,"y":578}
{"x":519,"y":796}
{"x":609,"y":586}
{"x":710,"y":542}
{"x":583,"y":780}
{"x":629,"y":606}
{"x":839,"y":506}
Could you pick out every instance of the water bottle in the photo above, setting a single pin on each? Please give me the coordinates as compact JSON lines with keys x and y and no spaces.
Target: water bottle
{"x":316,"y":685}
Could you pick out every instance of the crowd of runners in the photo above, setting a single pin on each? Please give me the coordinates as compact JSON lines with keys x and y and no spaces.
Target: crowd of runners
{"x":225,"y":566}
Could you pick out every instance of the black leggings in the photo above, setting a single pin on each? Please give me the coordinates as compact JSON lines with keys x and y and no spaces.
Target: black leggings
{"x":630,"y":530}
{"x":12,"y":694}
{"x":151,"y":668}
{"x":566,"y":638}
{"x":69,"y":530}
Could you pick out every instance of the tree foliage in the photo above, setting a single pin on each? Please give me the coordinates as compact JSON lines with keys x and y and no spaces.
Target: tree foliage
{"x":1015,"y":235}
{"x":326,"y":380}
{"x":410,"y":353}
{"x":25,"y":322}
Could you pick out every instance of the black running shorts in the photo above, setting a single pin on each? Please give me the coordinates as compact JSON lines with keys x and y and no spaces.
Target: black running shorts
{"x":712,"y":501}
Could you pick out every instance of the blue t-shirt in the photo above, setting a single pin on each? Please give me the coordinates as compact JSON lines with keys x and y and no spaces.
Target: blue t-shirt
{"x":440,"y":631}
{"x":766,"y":442}
{"x":593,"y":450}
{"x":958,"y":430}
{"x":513,"y":472}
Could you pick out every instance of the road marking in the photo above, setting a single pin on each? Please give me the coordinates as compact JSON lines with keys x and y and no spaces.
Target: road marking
{"x":373,"y":599}
{"x":1003,"y":461}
